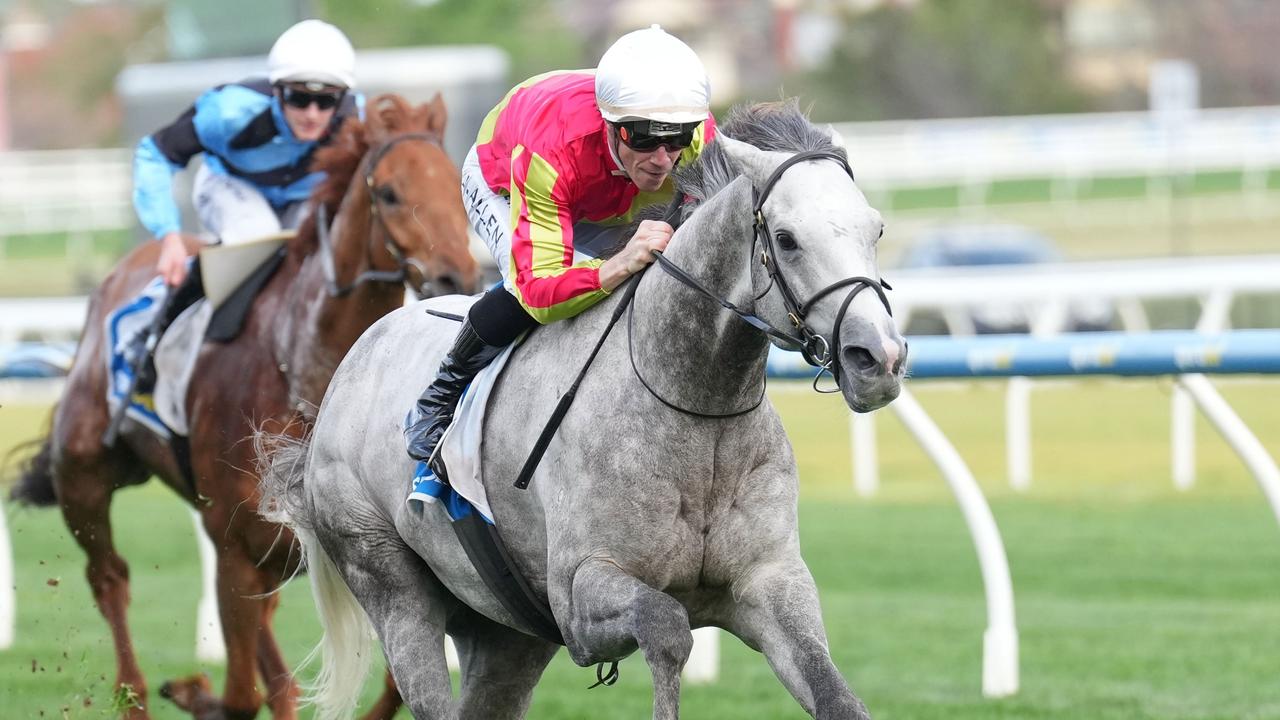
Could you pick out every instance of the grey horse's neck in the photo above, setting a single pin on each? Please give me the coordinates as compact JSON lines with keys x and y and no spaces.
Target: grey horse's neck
{"x":689,"y":349}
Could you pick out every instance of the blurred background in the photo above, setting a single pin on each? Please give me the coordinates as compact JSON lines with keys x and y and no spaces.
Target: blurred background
{"x":1132,"y":146}
{"x":1039,"y":129}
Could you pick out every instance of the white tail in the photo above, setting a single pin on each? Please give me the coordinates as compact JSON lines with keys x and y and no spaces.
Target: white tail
{"x":346,"y":648}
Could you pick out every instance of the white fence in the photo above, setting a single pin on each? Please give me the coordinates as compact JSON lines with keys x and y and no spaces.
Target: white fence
{"x":1047,"y":292}
{"x":64,"y":191}
{"x":87,"y":190}
{"x":1068,"y":149}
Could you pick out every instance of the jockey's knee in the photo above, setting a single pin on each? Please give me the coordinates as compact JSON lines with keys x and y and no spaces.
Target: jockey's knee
{"x":499,"y":318}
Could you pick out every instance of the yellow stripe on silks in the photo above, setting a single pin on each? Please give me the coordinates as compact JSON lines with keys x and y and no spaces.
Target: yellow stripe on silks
{"x":545,"y":234}
{"x":696,"y":147}
{"x":546,"y":239}
{"x":491,"y":120}
{"x":567,"y":308}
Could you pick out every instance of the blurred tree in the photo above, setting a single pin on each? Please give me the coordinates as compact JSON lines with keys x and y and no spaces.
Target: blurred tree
{"x":62,"y":94}
{"x":941,"y":58}
{"x":532,"y":34}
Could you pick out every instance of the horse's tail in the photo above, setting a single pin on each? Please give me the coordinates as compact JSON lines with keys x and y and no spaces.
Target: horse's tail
{"x":34,"y":485}
{"x":282,"y":467}
{"x":346,"y":647}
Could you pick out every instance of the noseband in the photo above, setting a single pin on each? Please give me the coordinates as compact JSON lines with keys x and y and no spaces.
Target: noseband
{"x":815,"y":348}
{"x":398,"y":276}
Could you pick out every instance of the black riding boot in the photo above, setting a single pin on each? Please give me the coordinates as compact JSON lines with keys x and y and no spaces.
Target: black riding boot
{"x":469,"y":355}
{"x":180,"y":298}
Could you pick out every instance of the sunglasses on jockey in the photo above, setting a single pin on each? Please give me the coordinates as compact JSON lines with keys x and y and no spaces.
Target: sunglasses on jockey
{"x":648,"y":135}
{"x":302,"y":97}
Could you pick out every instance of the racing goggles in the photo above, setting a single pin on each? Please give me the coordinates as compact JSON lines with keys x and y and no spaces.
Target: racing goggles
{"x":301,"y":99}
{"x":647,"y":135}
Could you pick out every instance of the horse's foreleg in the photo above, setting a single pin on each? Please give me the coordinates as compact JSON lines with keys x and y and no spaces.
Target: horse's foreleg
{"x":240,"y":607}
{"x":777,"y":613}
{"x":500,"y":667}
{"x":612,"y":613}
{"x":282,"y":691}
{"x":85,"y":499}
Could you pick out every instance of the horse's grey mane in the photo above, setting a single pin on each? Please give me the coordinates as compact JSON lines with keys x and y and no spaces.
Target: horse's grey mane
{"x":774,"y":126}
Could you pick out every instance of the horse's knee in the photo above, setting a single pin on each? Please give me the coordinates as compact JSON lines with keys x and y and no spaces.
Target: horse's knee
{"x":662,"y":628}
{"x":108,"y":578}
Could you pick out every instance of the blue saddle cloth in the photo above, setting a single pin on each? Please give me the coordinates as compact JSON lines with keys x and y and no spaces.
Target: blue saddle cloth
{"x":126,"y":329}
{"x":428,"y":490}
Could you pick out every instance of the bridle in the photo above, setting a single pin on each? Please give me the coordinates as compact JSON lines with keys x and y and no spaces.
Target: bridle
{"x":399,"y":276}
{"x":815,"y":348}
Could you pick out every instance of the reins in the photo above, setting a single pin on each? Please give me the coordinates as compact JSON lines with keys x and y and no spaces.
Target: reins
{"x":813,"y":346}
{"x":395,"y":277}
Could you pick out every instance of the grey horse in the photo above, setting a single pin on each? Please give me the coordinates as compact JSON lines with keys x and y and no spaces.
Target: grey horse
{"x":649,"y":515}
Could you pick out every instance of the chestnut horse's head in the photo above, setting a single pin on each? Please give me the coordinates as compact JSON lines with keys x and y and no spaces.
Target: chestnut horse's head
{"x":390,"y":174}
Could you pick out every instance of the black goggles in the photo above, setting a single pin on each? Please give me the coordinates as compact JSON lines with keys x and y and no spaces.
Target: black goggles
{"x":649,"y":135}
{"x":302,"y":99}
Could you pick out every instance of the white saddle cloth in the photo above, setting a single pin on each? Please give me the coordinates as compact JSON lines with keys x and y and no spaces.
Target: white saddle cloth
{"x":462,"y":444}
{"x":175,"y":359}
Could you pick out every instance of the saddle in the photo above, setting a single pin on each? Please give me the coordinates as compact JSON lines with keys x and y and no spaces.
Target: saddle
{"x":155,"y":338}
{"x":464,"y":500}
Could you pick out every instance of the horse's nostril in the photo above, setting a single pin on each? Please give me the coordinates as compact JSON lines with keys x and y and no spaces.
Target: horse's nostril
{"x":861,"y":359}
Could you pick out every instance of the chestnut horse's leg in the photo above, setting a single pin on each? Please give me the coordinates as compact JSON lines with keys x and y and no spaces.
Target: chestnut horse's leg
{"x":282,"y":691}
{"x":85,"y":476}
{"x":388,"y":703}
{"x":245,"y":612}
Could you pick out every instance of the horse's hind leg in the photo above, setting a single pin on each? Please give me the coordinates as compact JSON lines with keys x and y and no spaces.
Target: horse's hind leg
{"x":85,"y":476}
{"x":777,"y":613}
{"x":406,"y":603}
{"x":612,"y":613}
{"x":500,"y":667}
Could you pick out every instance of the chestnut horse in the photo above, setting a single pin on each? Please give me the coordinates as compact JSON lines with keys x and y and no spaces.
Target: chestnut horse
{"x":398,"y":219}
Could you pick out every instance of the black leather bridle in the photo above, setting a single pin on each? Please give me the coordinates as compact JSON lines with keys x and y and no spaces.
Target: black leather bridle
{"x":815,"y":348}
{"x":398,"y":276}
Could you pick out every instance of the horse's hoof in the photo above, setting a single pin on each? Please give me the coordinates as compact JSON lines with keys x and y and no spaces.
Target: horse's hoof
{"x":185,"y":692}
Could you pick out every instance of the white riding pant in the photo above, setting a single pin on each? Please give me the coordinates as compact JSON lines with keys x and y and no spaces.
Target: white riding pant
{"x":235,"y":212}
{"x":490,"y":216}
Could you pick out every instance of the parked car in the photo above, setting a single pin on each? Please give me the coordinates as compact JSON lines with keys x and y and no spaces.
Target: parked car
{"x":1002,"y":245}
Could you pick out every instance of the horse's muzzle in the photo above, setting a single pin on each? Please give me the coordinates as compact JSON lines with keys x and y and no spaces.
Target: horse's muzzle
{"x":871,"y":369}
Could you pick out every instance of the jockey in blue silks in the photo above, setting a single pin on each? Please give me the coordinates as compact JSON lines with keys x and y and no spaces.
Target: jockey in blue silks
{"x":258,"y":138}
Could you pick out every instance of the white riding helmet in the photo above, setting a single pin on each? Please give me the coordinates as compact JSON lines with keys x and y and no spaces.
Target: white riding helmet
{"x":650,"y":75}
{"x":312,"y":51}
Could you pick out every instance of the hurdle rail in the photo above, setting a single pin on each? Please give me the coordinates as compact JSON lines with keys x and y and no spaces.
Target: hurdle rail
{"x":1187,"y":355}
{"x":1048,"y":292}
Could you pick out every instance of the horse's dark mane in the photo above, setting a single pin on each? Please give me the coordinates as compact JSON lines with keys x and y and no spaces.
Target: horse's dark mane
{"x":340,"y":158}
{"x":774,"y":126}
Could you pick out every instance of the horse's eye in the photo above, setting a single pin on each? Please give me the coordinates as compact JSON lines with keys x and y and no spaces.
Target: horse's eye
{"x":881,"y":231}
{"x":785,"y":240}
{"x":386,"y":194}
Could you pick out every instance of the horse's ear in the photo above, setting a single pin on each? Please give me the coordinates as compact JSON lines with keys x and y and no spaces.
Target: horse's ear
{"x":749,"y":159}
{"x":437,"y":116}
